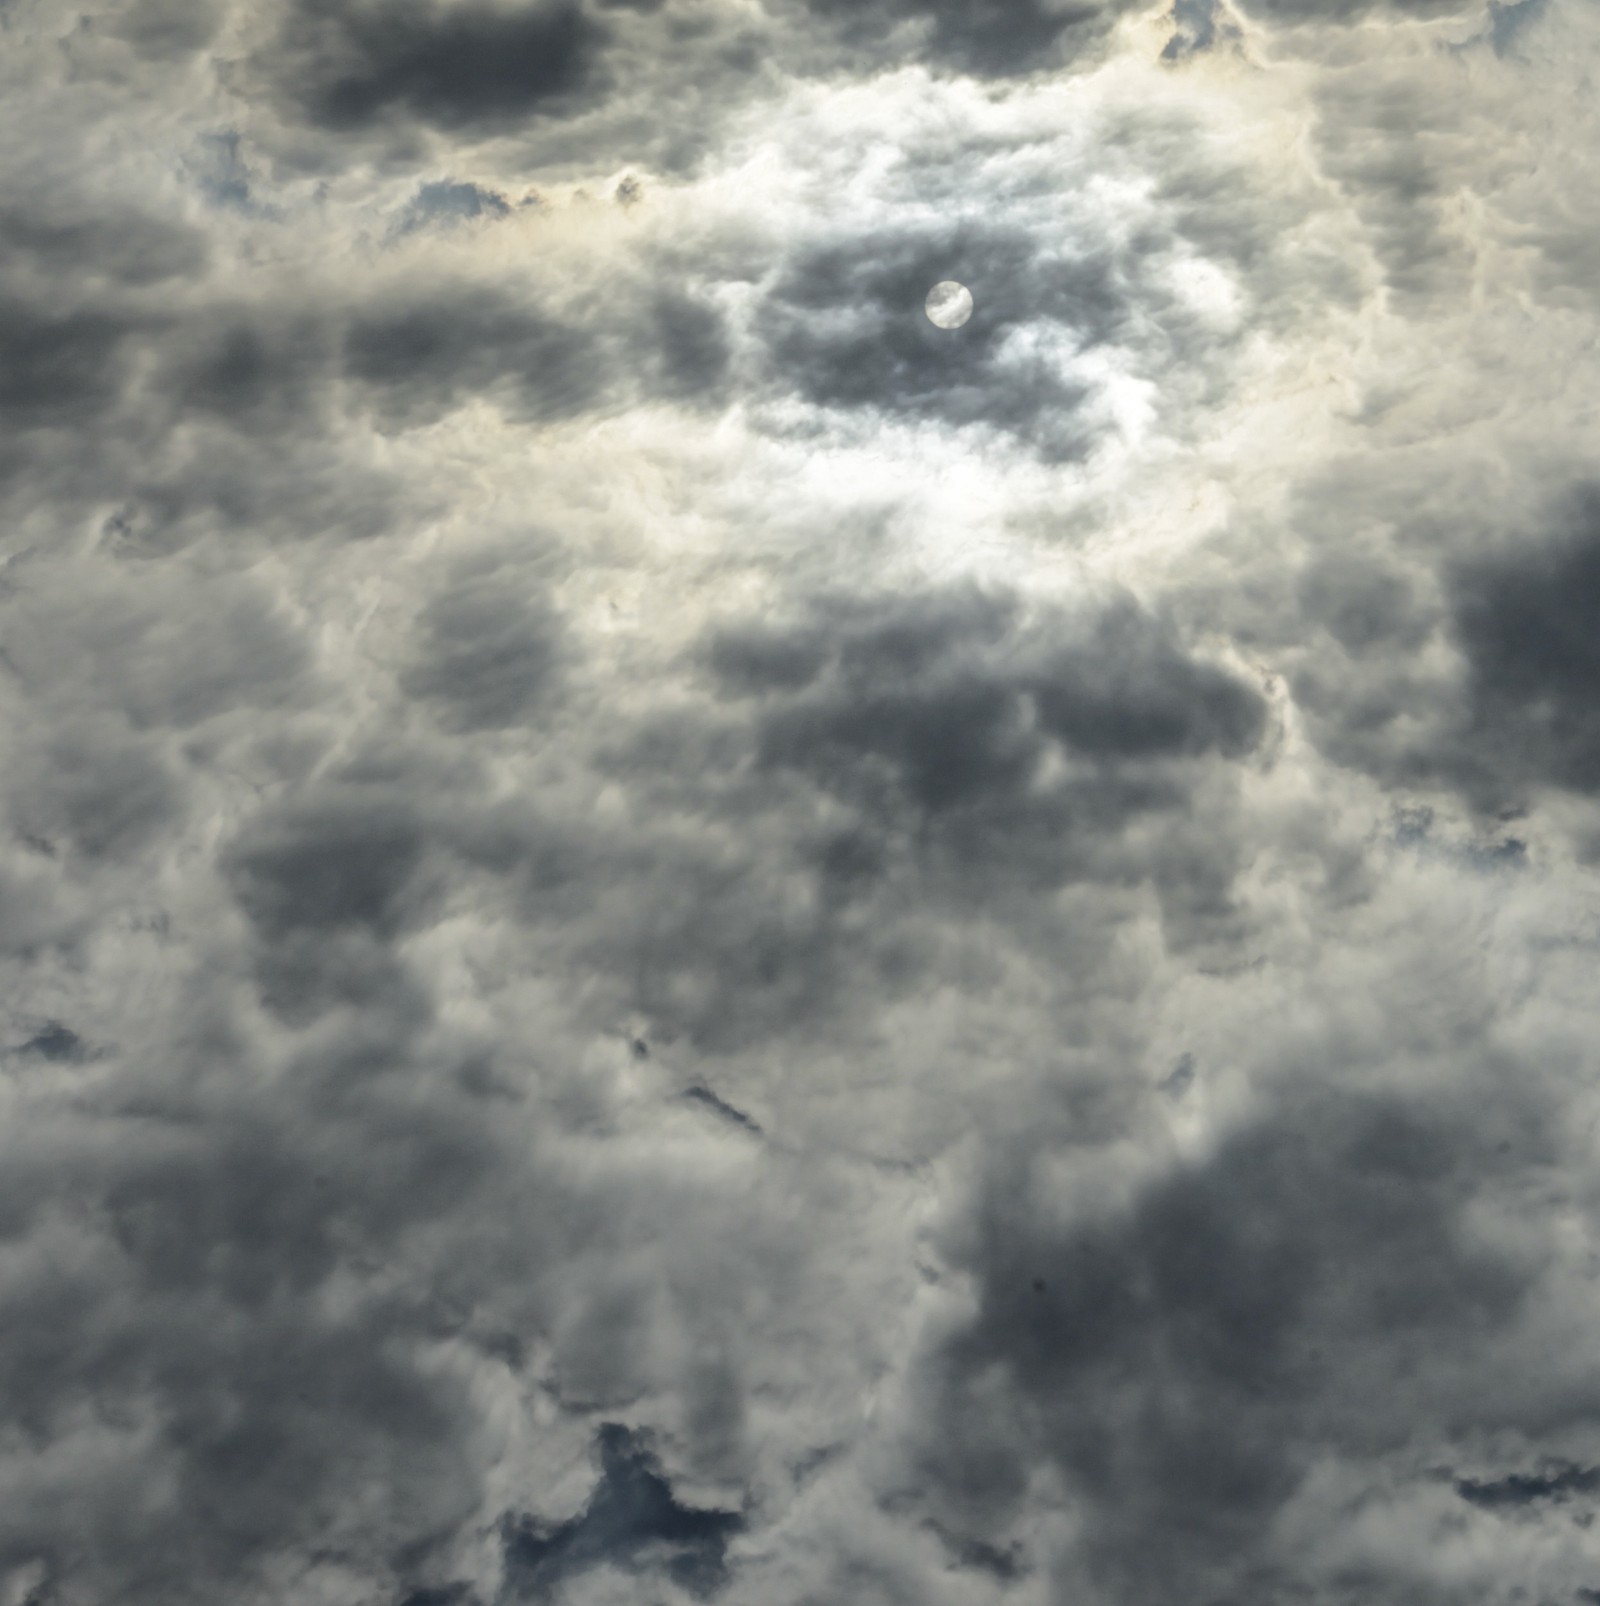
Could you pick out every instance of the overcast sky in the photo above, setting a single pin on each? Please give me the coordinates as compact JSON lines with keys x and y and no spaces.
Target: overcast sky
{"x":668,"y":936}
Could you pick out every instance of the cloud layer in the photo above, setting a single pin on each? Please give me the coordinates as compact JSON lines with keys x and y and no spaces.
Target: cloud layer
{"x":669,"y":936}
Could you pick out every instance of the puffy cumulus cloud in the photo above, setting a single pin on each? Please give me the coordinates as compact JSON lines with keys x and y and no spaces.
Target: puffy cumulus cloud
{"x":667,"y":935}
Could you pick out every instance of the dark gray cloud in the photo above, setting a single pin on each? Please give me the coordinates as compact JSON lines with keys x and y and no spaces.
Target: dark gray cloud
{"x":195,"y":1307}
{"x":1522,"y":619}
{"x":53,"y":1042}
{"x":577,"y":84}
{"x":417,"y":361}
{"x":1514,"y":716}
{"x":49,"y":238}
{"x":60,"y":367}
{"x":491,"y":650}
{"x":328,"y":870}
{"x":706,"y":1099}
{"x":114,"y":332}
{"x":1186,"y":1362}
{"x":962,"y":750}
{"x":947,"y":704}
{"x":327,"y":886}
{"x":993,"y":38}
{"x":353,"y":63}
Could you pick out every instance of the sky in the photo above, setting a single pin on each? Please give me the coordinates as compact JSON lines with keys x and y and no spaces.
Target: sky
{"x":667,"y":936}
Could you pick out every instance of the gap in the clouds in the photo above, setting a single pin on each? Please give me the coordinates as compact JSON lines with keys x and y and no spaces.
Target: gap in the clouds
{"x":631,"y":1521}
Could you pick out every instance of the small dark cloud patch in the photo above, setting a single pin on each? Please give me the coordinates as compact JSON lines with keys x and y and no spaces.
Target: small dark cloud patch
{"x":54,"y":1042}
{"x":632,"y":1521}
{"x":1412,"y":825}
{"x":58,"y":368}
{"x":1526,"y":622}
{"x":1521,"y":1489}
{"x":409,"y":360}
{"x":707,"y":1100}
{"x":686,"y":346}
{"x":351,"y":64}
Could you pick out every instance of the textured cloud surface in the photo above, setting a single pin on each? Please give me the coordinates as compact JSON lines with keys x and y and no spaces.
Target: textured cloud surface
{"x":668,"y":936}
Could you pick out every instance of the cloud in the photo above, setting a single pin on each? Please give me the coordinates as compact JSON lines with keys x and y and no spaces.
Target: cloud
{"x":1532,"y":664}
{"x":166,"y":29}
{"x":353,"y":64}
{"x":996,"y":38}
{"x":667,"y":934}
{"x":490,"y":655}
{"x":943,"y":702}
{"x":1508,"y":716}
{"x":1186,"y":1363}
